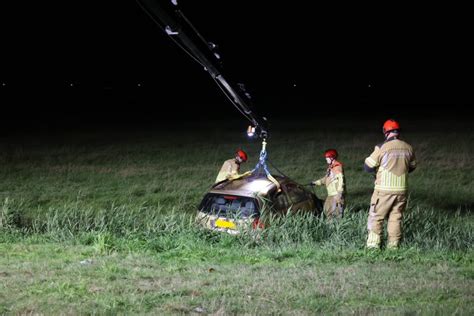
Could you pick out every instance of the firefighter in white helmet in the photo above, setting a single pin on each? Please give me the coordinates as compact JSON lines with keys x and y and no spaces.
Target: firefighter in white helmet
{"x":391,"y":161}
{"x":335,"y":185}
{"x":230,"y":168}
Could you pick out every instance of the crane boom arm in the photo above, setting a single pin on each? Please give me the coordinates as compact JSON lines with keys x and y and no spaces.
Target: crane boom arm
{"x":174,"y":23}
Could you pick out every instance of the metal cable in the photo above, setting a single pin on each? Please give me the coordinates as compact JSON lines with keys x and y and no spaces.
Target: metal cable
{"x":174,"y":40}
{"x":232,"y":101}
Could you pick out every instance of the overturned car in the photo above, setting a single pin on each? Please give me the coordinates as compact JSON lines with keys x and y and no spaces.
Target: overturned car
{"x":231,"y":206}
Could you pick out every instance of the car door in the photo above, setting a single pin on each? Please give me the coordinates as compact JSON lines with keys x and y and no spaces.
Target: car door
{"x":300,"y":198}
{"x":280,"y":202}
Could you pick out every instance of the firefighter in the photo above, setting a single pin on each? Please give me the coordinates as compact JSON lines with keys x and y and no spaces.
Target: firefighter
{"x":391,"y":161}
{"x":335,"y":185}
{"x":230,"y":168}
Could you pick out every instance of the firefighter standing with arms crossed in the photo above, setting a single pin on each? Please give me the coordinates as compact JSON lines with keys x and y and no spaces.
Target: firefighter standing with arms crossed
{"x":335,"y":185}
{"x":391,"y":161}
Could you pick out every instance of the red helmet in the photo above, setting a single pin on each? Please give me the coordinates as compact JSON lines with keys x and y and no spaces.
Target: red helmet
{"x":330,"y":153}
{"x":390,"y":125}
{"x":242,"y":154}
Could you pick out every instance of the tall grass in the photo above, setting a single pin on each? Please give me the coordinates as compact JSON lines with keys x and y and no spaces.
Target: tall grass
{"x":120,"y":208}
{"x":423,"y":229}
{"x":146,"y":185}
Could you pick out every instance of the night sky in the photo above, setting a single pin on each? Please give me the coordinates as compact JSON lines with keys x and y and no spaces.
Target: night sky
{"x":85,"y":62}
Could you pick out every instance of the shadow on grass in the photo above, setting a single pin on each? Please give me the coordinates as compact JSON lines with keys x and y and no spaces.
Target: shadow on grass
{"x":445,"y":202}
{"x":359,"y":200}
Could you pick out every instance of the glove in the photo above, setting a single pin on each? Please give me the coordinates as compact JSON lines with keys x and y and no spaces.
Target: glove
{"x":238,"y":176}
{"x":246,"y":173}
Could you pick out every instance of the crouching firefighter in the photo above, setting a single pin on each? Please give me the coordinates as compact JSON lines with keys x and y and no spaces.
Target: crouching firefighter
{"x":335,"y":185}
{"x":230,"y":168}
{"x":391,"y":161}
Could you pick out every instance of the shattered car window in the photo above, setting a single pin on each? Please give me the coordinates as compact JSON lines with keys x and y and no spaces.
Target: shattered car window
{"x":296,"y":194}
{"x":229,"y":205}
{"x":281,"y":201}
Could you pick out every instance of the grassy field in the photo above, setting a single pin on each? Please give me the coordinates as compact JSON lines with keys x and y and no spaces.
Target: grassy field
{"x":102,"y":222}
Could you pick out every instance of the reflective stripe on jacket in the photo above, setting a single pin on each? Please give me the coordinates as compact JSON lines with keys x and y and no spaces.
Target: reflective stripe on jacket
{"x":393,"y":160}
{"x":334,"y":179}
{"x":229,"y":168}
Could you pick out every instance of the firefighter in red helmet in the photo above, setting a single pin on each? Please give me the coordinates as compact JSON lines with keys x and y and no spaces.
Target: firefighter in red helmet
{"x":335,"y":185}
{"x":391,"y":161}
{"x":231,"y":167}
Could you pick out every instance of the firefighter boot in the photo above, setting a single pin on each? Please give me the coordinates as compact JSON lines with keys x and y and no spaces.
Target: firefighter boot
{"x":392,"y":244}
{"x":373,"y":240}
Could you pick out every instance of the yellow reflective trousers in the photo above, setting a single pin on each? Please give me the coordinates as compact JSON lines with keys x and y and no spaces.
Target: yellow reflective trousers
{"x":385,"y":205}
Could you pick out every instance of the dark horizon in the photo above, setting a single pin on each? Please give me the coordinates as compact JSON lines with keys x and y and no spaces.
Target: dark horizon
{"x":110,"y":63}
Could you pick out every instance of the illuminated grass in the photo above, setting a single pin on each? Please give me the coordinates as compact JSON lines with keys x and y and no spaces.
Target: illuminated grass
{"x":124,"y":203}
